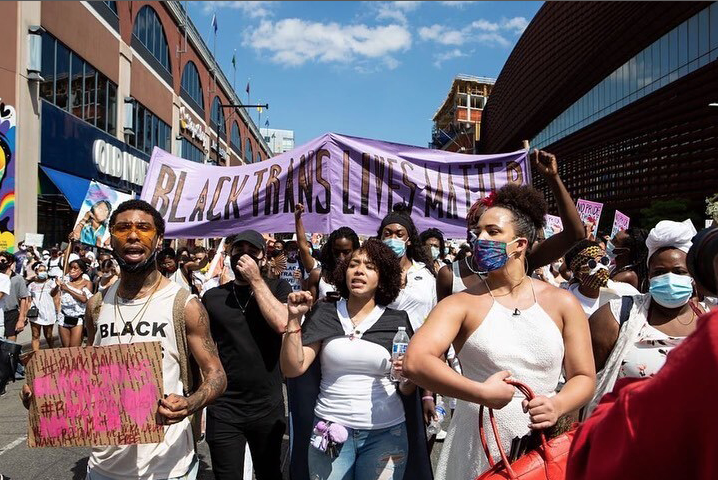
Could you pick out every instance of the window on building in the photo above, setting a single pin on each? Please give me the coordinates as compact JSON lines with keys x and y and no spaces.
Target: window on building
{"x":248,"y":151}
{"x":235,"y":140}
{"x":76,"y":86}
{"x":148,"y":30}
{"x":217,"y":117}
{"x":191,"y":85}
{"x":191,"y":152}
{"x":112,"y":6}
{"x":150,"y":131}
{"x":258,"y":158}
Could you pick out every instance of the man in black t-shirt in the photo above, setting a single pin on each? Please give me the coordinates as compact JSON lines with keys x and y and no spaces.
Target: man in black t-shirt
{"x":247,"y":320}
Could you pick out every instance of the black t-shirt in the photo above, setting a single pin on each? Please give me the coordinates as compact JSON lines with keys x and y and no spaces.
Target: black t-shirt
{"x":248,"y":349}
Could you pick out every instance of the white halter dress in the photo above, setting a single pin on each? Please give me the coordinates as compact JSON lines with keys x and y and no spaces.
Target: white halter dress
{"x":530,"y":346}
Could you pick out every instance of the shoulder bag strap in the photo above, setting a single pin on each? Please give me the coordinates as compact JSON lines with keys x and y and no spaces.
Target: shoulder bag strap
{"x":626,"y":305}
{"x":178,"y":320}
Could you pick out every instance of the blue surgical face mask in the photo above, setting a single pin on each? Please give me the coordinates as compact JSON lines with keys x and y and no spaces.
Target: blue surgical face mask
{"x":397,"y":246}
{"x":490,"y":255}
{"x":435,"y":253}
{"x":609,"y":251}
{"x":670,"y":290}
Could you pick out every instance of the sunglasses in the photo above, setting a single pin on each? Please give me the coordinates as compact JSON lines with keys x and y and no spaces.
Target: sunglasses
{"x":593,"y":263}
{"x":145,"y":231}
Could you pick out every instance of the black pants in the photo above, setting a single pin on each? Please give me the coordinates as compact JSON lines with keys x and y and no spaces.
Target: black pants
{"x":11,"y":318}
{"x":227,"y":441}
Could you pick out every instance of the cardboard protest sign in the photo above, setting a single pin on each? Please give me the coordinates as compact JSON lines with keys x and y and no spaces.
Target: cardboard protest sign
{"x":340,"y":180}
{"x":92,"y":396}
{"x":590,"y":213}
{"x":553,"y":226}
{"x":34,"y":239}
{"x":620,"y":222}
{"x":92,"y":224}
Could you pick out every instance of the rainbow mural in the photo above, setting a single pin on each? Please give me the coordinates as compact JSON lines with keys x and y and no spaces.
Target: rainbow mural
{"x":7,"y":177}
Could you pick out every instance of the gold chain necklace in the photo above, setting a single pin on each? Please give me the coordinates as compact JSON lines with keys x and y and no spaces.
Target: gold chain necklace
{"x":140,"y":314}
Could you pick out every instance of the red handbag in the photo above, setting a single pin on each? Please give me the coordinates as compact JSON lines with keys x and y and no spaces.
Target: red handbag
{"x":546,"y":462}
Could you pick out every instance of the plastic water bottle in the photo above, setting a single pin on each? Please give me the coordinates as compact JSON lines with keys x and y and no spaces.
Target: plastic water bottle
{"x":435,"y":426}
{"x":398,"y":349}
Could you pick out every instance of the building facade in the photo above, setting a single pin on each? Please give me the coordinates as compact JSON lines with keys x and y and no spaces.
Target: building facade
{"x":279,"y":141}
{"x":457,"y":122}
{"x":626,"y":109}
{"x":93,"y":87}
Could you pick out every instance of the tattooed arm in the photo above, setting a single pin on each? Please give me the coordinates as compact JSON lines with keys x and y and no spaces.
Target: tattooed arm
{"x":214,"y":381}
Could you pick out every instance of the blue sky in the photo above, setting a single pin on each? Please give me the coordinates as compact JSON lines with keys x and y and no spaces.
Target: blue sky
{"x":370,"y":69}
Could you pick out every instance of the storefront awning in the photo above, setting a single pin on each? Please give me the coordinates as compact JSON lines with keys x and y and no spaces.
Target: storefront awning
{"x":72,"y":187}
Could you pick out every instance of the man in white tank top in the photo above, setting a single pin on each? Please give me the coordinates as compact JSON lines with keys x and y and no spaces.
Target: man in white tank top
{"x":139,"y":308}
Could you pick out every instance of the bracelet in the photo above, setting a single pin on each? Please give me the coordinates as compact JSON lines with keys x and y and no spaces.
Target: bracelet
{"x":287,"y":332}
{"x":428,"y":397}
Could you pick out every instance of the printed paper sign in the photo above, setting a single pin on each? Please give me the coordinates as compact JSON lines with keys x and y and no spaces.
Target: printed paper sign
{"x":34,"y":239}
{"x":553,"y":226}
{"x":92,"y":225}
{"x":92,"y":396}
{"x":590,"y":213}
{"x":620,"y":222}
{"x":340,"y":180}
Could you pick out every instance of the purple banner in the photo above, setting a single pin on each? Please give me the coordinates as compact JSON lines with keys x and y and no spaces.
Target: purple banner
{"x":340,"y":180}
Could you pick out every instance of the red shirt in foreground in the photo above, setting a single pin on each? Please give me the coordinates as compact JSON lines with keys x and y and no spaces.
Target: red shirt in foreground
{"x":663,"y":427}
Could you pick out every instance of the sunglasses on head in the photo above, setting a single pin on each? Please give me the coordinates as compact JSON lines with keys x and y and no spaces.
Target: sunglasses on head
{"x":593,"y":263}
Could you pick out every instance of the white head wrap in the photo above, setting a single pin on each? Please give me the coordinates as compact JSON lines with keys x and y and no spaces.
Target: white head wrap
{"x":671,"y":234}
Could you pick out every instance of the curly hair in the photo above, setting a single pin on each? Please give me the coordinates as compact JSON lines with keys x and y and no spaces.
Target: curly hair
{"x":527,"y":205}
{"x":326,"y":254}
{"x":387,"y":266}
{"x":437,"y":234}
{"x":415,"y":251}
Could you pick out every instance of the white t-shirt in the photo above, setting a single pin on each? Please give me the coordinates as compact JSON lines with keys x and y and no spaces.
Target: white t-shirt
{"x":589,"y":305}
{"x":355,"y":389}
{"x":418,"y":296}
{"x":4,"y":288}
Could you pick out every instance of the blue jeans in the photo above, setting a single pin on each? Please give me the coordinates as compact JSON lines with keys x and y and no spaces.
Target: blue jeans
{"x":366,"y":455}
{"x":190,"y":475}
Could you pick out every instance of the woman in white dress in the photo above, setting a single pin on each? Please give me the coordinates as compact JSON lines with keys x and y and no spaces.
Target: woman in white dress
{"x":46,"y":307}
{"x":74,"y":291}
{"x":509,"y":325}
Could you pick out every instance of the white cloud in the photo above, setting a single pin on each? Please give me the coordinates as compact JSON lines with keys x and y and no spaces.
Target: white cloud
{"x":517,"y":24}
{"x":457,"y":4}
{"x":293,"y":42}
{"x":444,"y":35}
{"x":395,"y":11}
{"x":440,"y":58}
{"x":479,"y":31}
{"x":252,"y":9}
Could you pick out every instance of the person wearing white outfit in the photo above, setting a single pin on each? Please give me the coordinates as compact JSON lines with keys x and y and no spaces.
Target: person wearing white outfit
{"x":632,"y":337}
{"x":46,"y":308}
{"x":507,"y":326}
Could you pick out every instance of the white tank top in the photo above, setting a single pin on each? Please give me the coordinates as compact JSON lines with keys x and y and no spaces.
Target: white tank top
{"x":457,"y":285}
{"x":173,"y":456}
{"x":323,"y":288}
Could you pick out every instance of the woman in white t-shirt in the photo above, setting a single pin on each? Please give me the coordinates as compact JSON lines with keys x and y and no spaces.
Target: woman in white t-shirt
{"x":43,"y":307}
{"x":361,"y":421}
{"x":75,"y":291}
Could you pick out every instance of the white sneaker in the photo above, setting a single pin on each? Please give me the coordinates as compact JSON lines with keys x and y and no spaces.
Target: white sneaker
{"x":441,"y":435}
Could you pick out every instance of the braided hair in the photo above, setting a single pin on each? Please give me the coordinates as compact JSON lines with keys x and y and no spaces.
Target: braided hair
{"x":638,"y":253}
{"x":326,"y":254}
